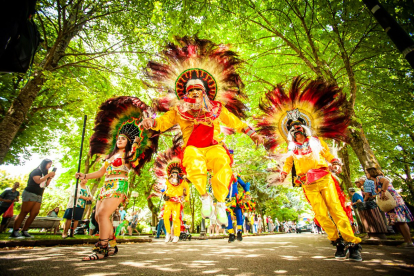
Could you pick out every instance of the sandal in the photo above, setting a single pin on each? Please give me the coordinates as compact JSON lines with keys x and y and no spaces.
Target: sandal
{"x":112,"y":249}
{"x":100,"y":252}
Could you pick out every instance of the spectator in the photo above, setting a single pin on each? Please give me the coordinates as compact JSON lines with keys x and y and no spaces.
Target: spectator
{"x":38,"y":180}
{"x":122,"y":212}
{"x":277,"y":224}
{"x":255,"y":224}
{"x":93,"y":224}
{"x":133,"y":223}
{"x":369,"y":188}
{"x":369,"y":213}
{"x":7,"y":199}
{"x":82,"y":195}
{"x":54,"y":214}
{"x":161,"y":226}
{"x":398,"y":216}
{"x":259,"y":224}
{"x":355,"y":197}
{"x":270,"y":225}
{"x":213,"y":228}
{"x":116,"y":219}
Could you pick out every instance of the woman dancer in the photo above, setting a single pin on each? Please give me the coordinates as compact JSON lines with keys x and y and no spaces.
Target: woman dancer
{"x":118,"y":121}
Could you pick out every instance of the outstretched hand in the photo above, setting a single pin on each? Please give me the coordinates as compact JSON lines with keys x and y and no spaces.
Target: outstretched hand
{"x":257,"y":139}
{"x":147,"y":123}
{"x":282,"y":177}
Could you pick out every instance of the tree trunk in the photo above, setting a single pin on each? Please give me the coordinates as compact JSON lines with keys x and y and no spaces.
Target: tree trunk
{"x":409,"y":180}
{"x":16,"y":114}
{"x":192,"y":209}
{"x":151,"y":206}
{"x":153,"y":210}
{"x":345,"y":176}
{"x":360,"y":145}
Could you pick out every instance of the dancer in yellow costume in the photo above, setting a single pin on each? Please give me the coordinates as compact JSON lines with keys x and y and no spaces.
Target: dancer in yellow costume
{"x":206,"y":92}
{"x":168,"y":167}
{"x":176,"y":194}
{"x":312,"y":106}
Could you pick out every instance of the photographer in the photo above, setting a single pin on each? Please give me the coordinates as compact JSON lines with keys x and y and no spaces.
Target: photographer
{"x":38,"y":180}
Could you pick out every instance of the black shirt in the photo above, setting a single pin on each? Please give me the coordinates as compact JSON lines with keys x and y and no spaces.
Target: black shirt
{"x":8,"y":194}
{"x":32,"y":186}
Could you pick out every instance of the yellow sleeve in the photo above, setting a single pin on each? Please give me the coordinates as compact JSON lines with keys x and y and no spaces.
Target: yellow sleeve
{"x":326,"y":153}
{"x":287,"y":167}
{"x":165,"y":121}
{"x":187,"y":188}
{"x":230,"y":120}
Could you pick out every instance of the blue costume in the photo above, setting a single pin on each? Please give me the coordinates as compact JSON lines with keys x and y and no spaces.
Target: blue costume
{"x":235,"y":205}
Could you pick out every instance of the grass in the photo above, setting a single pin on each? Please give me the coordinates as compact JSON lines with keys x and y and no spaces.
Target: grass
{"x":44,"y":236}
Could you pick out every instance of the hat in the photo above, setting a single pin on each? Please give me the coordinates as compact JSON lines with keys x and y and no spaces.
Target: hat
{"x":362,"y":178}
{"x":351,"y":190}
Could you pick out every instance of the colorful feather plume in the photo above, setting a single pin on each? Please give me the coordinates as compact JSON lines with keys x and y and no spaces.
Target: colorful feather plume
{"x":314,"y":103}
{"x":167,"y":161}
{"x":192,"y":57}
{"x":122,"y":115}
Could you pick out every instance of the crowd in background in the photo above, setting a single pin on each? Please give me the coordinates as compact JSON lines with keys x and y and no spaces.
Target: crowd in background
{"x":373,"y":188}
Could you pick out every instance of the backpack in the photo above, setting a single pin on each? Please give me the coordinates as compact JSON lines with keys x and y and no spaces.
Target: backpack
{"x":19,"y":37}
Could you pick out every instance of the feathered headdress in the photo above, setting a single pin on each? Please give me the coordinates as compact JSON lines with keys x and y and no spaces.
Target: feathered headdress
{"x":167,"y":161}
{"x":312,"y":103}
{"x":122,"y":115}
{"x":198,"y":62}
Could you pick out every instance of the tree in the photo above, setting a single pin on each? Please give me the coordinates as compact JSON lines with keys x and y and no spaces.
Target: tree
{"x":335,"y":40}
{"x":79,"y":38}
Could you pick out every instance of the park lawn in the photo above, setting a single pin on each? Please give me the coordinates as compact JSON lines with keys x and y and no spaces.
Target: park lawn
{"x":43,"y":236}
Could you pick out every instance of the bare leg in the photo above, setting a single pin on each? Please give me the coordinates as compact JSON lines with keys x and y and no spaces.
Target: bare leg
{"x":67,"y":226}
{"x":33,"y":214}
{"x":26,"y":207}
{"x":405,"y":231}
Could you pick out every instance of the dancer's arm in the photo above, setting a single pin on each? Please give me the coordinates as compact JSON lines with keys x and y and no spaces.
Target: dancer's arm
{"x":231,"y":120}
{"x":187,"y":188}
{"x":245,"y":186}
{"x":287,"y":167}
{"x":326,"y":153}
{"x":162,"y":123}
{"x":93,"y":175}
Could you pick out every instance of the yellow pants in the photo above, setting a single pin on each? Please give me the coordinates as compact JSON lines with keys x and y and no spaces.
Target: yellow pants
{"x":198,"y":160}
{"x":173,"y":208}
{"x":323,"y":198}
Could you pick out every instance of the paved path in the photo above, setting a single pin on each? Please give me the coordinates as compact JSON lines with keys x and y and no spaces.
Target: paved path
{"x":290,"y":254}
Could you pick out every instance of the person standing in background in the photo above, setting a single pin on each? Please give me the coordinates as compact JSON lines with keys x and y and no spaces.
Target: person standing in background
{"x":38,"y":180}
{"x":400,"y":216}
{"x":116,"y":218}
{"x":7,"y":199}
{"x":82,"y":195}
{"x":54,"y":214}
{"x":122,"y":212}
